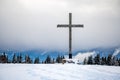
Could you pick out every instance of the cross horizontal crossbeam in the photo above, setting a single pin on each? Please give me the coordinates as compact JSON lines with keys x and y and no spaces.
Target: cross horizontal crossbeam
{"x":65,"y":25}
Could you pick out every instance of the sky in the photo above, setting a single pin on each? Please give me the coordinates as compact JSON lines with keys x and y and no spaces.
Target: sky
{"x":32,"y":24}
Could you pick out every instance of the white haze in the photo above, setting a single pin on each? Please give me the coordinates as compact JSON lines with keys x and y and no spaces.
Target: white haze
{"x":33,"y":23}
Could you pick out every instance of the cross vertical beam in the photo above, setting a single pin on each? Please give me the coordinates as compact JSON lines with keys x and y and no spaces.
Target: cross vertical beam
{"x":70,"y":26}
{"x":70,"y":36}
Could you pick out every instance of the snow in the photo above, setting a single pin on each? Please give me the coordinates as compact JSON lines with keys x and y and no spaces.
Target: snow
{"x":82,"y":56}
{"x":58,"y":72}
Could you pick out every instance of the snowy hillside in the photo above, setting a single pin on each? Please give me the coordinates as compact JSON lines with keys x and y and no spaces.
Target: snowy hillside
{"x":58,"y":72}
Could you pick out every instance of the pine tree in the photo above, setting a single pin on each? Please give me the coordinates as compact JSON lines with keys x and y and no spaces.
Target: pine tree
{"x":53,"y":61}
{"x":85,"y":61}
{"x":48,"y":59}
{"x":14,"y":60}
{"x":63,"y":57}
{"x":0,"y":58}
{"x":58,"y":59}
{"x":97,"y":59}
{"x":4,"y":58}
{"x":20,"y":59}
{"x":90,"y":60}
{"x":27,"y":59}
{"x":113,"y":60}
{"x":109,"y":59}
{"x":119,"y":61}
{"x":103,"y":61}
{"x":36,"y":61}
{"x":116,"y":62}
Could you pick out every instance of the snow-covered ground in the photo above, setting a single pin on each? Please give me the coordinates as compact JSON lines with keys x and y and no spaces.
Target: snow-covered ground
{"x":58,"y":72}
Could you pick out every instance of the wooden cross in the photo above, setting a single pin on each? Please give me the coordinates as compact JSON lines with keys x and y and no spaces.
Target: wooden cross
{"x":70,"y":25}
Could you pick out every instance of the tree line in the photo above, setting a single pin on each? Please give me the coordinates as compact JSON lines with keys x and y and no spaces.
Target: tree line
{"x":26,"y":59}
{"x":97,"y":60}
{"x":110,"y":60}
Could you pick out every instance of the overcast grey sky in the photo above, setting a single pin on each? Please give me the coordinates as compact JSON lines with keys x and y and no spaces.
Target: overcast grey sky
{"x":33,"y":23}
